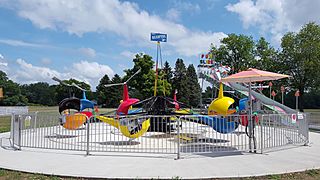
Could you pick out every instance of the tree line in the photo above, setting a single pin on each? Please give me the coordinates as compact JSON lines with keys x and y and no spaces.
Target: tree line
{"x":297,"y":56}
{"x":182,"y":78}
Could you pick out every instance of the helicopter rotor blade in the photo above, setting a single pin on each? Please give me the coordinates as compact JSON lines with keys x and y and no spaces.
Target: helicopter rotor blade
{"x":110,"y":85}
{"x":77,"y":86}
{"x":56,"y":79}
{"x":61,"y":82}
{"x":133,"y":75}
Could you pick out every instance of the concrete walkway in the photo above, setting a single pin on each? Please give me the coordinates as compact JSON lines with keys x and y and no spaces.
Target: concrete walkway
{"x":116,"y":165}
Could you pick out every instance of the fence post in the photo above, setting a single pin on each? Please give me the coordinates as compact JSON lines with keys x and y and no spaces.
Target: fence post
{"x":178,"y":136}
{"x":261,"y":137}
{"x":306,"y":121}
{"x":19,"y":131}
{"x":12,"y":130}
{"x":35,"y":120}
{"x":88,"y":138}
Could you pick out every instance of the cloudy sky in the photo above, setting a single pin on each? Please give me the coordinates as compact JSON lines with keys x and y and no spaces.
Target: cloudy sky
{"x":85,"y":39}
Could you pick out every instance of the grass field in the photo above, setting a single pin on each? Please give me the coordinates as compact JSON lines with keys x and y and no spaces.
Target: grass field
{"x":7,"y":174}
{"x":309,"y":175}
{"x":314,"y":116}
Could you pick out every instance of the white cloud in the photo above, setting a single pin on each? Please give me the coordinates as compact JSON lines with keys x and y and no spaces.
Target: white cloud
{"x":128,"y":54}
{"x":89,"y":52}
{"x":13,"y":42}
{"x":180,"y":7}
{"x":89,"y":72}
{"x":125,"y":19}
{"x":28,"y":73}
{"x":198,"y":42}
{"x":173,"y":14}
{"x":3,"y":64}
{"x":276,"y":16}
{"x":191,"y":8}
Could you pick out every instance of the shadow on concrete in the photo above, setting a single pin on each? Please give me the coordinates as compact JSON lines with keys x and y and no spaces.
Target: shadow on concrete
{"x":59,"y":136}
{"x":200,"y":140}
{"x":212,"y":140}
{"x":200,"y":148}
{"x":161,"y":136}
{"x":217,"y":154}
{"x":119,"y":143}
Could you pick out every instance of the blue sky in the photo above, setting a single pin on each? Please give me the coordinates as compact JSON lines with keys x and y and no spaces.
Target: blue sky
{"x":87,"y":39}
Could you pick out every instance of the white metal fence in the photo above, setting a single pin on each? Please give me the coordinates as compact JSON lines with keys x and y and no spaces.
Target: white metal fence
{"x":8,"y":110}
{"x":166,"y":134}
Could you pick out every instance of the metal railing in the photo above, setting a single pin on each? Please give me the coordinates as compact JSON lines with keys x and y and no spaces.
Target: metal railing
{"x":280,"y":130}
{"x":166,"y":134}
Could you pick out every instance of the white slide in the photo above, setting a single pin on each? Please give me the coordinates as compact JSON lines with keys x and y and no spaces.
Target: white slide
{"x":271,"y":104}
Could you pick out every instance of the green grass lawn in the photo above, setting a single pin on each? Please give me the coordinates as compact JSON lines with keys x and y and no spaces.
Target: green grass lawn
{"x":5,"y":123}
{"x":314,"y":117}
{"x":309,"y":174}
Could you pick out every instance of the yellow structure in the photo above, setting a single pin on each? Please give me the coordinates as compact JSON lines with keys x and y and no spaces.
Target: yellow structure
{"x":183,"y":111}
{"x":220,"y":105}
{"x":124,"y":129}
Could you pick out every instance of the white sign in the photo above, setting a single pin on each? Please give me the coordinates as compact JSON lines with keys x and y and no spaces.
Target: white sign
{"x":300,"y":116}
{"x":27,"y":121}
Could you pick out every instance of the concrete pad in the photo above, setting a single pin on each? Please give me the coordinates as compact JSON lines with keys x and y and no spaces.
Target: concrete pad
{"x":125,"y":165}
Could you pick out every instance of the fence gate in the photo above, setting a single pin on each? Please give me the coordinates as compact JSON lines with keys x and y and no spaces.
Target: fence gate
{"x":15,"y":131}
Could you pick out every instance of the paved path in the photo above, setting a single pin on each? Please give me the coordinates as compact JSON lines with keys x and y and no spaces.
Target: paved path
{"x":67,"y":163}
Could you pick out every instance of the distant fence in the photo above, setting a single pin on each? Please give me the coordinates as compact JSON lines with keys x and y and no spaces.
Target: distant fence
{"x":8,"y":110}
{"x":168,"y":135}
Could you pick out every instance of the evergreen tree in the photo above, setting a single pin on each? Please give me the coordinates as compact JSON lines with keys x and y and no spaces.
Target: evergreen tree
{"x":168,"y":74}
{"x":193,"y":86}
{"x":180,"y":81}
{"x":103,"y":92}
{"x":115,"y":92}
{"x":39,"y":93}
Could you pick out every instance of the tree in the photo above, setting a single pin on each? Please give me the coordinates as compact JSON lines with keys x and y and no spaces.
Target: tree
{"x":168,"y":74}
{"x":143,"y":82}
{"x":63,"y":91}
{"x":236,"y":51}
{"x":39,"y":93}
{"x":12,"y":94}
{"x":300,"y":58}
{"x":102,"y":91}
{"x":265,"y":56}
{"x":193,"y":86}
{"x":208,"y":93}
{"x":180,"y":81}
{"x":163,"y":86}
{"x":113,"y":99}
